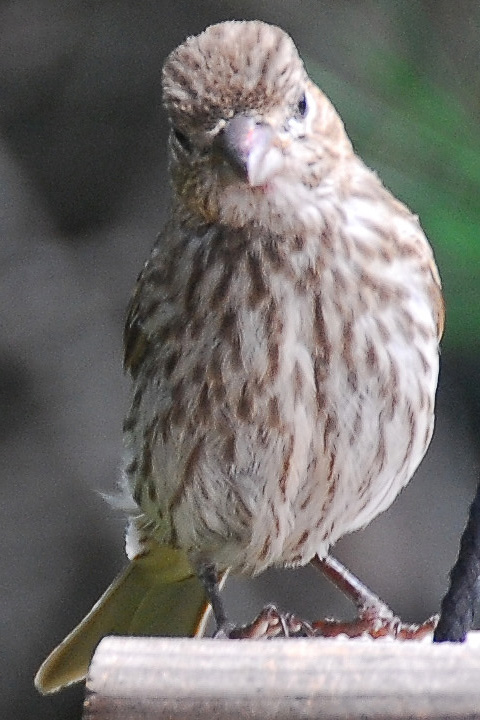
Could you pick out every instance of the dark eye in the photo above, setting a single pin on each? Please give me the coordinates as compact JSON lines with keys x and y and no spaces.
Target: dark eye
{"x":182,"y":140}
{"x":302,"y":106}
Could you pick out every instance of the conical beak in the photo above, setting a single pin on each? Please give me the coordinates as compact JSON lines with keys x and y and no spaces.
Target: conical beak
{"x":247,"y":146}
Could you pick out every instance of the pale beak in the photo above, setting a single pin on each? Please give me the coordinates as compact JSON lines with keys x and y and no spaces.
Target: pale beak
{"x":249,"y":148}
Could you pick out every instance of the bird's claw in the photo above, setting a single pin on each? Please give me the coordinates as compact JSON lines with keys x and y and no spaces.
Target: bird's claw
{"x":370,"y":622}
{"x":374,"y":625}
{"x":270,"y":623}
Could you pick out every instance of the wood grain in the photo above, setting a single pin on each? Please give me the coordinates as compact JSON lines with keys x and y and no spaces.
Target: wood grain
{"x":295,"y":678}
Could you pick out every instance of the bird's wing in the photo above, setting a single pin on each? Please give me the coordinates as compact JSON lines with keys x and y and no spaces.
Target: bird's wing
{"x":135,"y":339}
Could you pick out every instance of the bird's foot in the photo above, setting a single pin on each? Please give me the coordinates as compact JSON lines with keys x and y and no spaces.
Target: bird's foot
{"x":375,"y":619}
{"x":370,"y":623}
{"x":225,"y":631}
{"x":271,"y":623}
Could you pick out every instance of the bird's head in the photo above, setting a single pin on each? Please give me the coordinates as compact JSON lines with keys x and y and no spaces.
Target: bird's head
{"x":250,"y":133}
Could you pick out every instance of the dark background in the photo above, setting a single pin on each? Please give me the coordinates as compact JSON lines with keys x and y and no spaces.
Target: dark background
{"x":82,"y":196}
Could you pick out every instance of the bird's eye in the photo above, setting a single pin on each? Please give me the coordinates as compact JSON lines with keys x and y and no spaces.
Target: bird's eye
{"x":182,"y":140}
{"x":302,"y":106}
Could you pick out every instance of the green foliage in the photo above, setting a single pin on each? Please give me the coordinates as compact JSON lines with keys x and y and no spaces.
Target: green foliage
{"x":426,"y":149}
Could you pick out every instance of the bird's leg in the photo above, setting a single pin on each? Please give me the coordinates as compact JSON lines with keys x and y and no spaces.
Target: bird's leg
{"x":375,"y":618}
{"x":209,"y":577}
{"x":270,"y":622}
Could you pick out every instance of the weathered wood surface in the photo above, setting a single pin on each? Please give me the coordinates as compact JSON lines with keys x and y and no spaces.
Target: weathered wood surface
{"x":133,"y":678}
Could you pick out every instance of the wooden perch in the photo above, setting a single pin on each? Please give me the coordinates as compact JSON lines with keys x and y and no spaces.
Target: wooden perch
{"x":148,"y":678}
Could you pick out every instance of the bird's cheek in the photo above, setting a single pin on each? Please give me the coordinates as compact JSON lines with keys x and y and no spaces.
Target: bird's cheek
{"x":200,"y":197}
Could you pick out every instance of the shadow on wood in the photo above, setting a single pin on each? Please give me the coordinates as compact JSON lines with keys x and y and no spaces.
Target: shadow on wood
{"x":133,"y":677}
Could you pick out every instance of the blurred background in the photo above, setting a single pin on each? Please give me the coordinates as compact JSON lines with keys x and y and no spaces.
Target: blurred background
{"x":83,"y":193}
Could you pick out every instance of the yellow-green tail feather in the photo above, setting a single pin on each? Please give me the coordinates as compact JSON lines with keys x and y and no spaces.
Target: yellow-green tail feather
{"x":157,"y":594}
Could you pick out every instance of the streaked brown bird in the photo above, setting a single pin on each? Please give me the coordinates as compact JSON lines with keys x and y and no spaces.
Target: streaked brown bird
{"x":282,"y":341}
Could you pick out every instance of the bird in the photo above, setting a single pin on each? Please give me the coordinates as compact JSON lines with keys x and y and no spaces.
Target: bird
{"x":282,"y":342}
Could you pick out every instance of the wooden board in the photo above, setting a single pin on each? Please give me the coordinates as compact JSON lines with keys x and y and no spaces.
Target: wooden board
{"x":283,"y":679}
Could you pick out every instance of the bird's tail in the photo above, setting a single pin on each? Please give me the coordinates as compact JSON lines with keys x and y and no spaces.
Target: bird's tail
{"x":157,"y":594}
